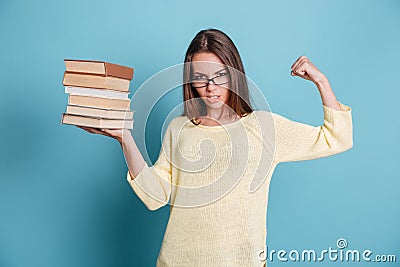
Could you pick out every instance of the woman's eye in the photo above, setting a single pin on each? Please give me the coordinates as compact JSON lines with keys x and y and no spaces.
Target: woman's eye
{"x":198,"y":77}
{"x":222,"y":74}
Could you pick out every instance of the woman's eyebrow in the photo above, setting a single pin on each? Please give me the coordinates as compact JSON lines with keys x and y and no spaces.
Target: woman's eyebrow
{"x":198,"y":72}
{"x":220,"y":70}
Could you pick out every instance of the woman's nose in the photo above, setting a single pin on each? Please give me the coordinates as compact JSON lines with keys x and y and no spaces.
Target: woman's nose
{"x":211,"y":86}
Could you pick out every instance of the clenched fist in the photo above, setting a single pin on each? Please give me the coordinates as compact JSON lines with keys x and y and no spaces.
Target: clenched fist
{"x":305,"y":69}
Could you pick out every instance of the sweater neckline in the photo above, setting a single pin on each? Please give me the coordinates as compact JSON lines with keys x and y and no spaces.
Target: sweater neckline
{"x":227,"y":125}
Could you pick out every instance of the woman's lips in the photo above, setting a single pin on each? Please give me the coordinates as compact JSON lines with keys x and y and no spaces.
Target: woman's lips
{"x":213,"y":98}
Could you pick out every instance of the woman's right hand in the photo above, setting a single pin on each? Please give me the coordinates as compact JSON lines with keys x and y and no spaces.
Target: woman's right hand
{"x":117,"y":134}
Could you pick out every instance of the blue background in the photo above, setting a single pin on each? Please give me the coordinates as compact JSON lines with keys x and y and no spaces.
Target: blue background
{"x":64,"y":198}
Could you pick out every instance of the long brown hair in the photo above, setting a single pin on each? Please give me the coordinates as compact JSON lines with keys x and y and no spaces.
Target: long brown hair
{"x":217,"y":42}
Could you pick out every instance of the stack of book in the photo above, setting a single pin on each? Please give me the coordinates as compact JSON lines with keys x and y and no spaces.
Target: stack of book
{"x":97,"y":94}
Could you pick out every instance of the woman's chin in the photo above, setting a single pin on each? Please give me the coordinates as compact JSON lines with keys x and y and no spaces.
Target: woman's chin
{"x":214,"y":104}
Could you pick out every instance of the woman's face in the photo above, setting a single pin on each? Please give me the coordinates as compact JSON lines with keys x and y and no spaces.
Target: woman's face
{"x":207,"y":66}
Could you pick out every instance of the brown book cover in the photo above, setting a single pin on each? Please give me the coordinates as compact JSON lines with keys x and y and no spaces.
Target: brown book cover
{"x":99,"y":102}
{"x":95,"y":81}
{"x":96,"y":122}
{"x":99,"y":67}
{"x":99,"y":113}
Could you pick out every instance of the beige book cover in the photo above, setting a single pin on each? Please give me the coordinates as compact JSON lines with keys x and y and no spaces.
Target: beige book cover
{"x":99,"y":112}
{"x":99,"y":102}
{"x":95,"y":81}
{"x":96,"y":122}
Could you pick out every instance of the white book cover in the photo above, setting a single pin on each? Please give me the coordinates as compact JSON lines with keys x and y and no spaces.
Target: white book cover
{"x":96,"y":92}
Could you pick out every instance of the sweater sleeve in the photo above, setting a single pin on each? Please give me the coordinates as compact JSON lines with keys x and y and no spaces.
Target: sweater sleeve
{"x":297,"y":141}
{"x":153,"y":184}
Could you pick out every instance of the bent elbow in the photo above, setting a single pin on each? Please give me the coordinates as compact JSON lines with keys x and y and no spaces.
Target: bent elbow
{"x":347,"y":147}
{"x":348,"y":141}
{"x":338,"y":141}
{"x":154,"y":207}
{"x":350,"y":145}
{"x":343,"y":146}
{"x":155,"y":204}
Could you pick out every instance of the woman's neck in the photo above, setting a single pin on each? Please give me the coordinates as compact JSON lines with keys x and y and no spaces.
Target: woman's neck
{"x":218,"y":116}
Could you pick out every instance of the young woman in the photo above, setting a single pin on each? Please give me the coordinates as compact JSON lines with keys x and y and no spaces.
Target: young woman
{"x":214,"y":152}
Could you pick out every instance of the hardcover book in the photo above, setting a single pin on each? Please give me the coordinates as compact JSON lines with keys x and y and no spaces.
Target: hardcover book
{"x":96,"y":122}
{"x":99,"y":67}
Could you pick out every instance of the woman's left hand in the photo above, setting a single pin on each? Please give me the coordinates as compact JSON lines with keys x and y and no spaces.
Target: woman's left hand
{"x":305,"y":69}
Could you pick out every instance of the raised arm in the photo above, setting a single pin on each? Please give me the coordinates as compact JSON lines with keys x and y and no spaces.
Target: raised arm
{"x":298,"y":141}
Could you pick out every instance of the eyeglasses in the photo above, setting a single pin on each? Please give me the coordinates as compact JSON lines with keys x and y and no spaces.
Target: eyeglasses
{"x":202,"y":81}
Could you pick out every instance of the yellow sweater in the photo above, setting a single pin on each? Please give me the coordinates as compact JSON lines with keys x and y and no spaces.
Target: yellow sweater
{"x":216,"y":179}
